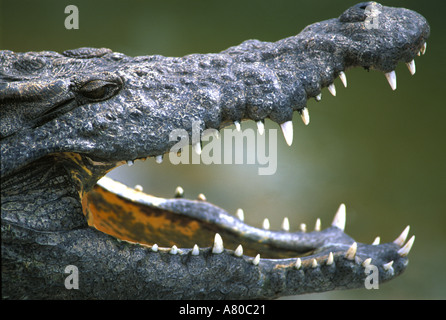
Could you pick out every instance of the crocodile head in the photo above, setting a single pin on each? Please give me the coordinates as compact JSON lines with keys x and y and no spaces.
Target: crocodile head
{"x":69,"y":118}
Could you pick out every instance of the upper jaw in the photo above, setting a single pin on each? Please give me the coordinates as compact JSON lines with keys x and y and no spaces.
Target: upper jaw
{"x":228,"y":100}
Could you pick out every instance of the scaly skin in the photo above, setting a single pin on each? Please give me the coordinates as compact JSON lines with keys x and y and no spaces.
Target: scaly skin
{"x":67,"y":119}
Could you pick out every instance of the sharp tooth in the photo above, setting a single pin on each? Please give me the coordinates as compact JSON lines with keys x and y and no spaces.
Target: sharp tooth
{"x":287,"y":130}
{"x":179,"y":192}
{"x":239,"y":251}
{"x":261,"y":127}
{"x":201,"y":197}
{"x":155,"y":248}
{"x":286,"y":224}
{"x":314,"y":263}
{"x":218,"y":244}
{"x":388,"y":266}
{"x":130,"y":163}
{"x":303,"y":227}
{"x":159,"y":159}
{"x":423,"y":48}
{"x":332,"y":89}
{"x":265,"y":224}
{"x":317,"y":226}
{"x":138,"y":187}
{"x":404,"y":251}
{"x":298,"y":263}
{"x":343,"y":78}
{"x":391,"y":78}
{"x":411,"y":67}
{"x":318,"y":97}
{"x":351,"y":252}
{"x":240,"y":214}
{"x":330,"y":259}
{"x":367,"y":262}
{"x":305,"y":116}
{"x":195,"y":251}
{"x":256,"y":260}
{"x":237,"y":125}
{"x":402,"y":237}
{"x":197,"y":148}
{"x":339,"y":219}
{"x":376,"y":241}
{"x":173,"y":250}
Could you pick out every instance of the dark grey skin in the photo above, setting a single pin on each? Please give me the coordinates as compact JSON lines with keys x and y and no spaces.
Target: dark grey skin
{"x":109,"y":108}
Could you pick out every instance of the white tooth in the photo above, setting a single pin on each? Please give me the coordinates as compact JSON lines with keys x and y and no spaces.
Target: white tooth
{"x":286,"y":224}
{"x":130,"y":163}
{"x":287,"y":130}
{"x":330,"y":259}
{"x":298,"y":263}
{"x":138,"y":187}
{"x":319,"y":97}
{"x":339,"y":219}
{"x":218,"y":244}
{"x":256,"y":260}
{"x":159,"y":159}
{"x":317,"y":226}
{"x":402,"y":237}
{"x":265,"y":224}
{"x":303,"y":227}
{"x":261,"y":127}
{"x":237,"y":125}
{"x":388,"y":266}
{"x":411,"y":67}
{"x":305,"y":116}
{"x":419,"y":53}
{"x":155,"y":248}
{"x":351,"y":252}
{"x":201,"y":197}
{"x":423,"y":49}
{"x":195,"y":251}
{"x":343,"y":78}
{"x":314,"y":263}
{"x":367,"y":262}
{"x":240,"y":214}
{"x":391,"y":78}
{"x":197,"y":148}
{"x":332,"y":89}
{"x":404,"y":251}
{"x":376,"y":241}
{"x":239,"y":251}
{"x":173,"y":250}
{"x":179,"y":192}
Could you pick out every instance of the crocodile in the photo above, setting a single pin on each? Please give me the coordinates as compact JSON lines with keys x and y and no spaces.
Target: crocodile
{"x":67,"y":119}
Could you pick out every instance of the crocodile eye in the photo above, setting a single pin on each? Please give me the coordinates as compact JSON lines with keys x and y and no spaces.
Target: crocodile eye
{"x":99,"y":89}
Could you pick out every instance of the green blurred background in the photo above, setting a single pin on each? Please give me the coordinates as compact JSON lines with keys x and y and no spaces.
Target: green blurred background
{"x":380,"y":152}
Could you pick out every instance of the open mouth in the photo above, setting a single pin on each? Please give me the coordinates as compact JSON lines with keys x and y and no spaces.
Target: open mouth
{"x":81,"y":113}
{"x":183,"y":227}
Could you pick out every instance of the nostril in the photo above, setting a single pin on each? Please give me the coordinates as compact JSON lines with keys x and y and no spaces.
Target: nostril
{"x":365,"y":5}
{"x":358,"y":12}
